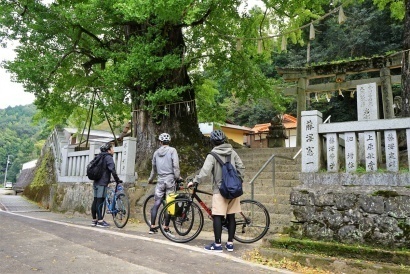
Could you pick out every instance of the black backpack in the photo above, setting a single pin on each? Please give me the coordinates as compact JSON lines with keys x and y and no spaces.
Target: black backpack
{"x":96,"y":167}
{"x":231,"y":186}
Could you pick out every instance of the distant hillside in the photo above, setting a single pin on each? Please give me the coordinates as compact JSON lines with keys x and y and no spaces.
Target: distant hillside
{"x":20,"y":138}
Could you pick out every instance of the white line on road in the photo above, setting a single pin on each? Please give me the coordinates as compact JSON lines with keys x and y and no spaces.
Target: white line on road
{"x":188,"y":247}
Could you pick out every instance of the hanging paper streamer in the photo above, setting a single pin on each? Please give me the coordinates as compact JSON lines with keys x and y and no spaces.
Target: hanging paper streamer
{"x":328,"y":96}
{"x":238,"y":44}
{"x":352,"y":94}
{"x":342,"y":16}
{"x":260,"y":46}
{"x":312,"y":32}
{"x":340,"y":92}
{"x":317,"y":99}
{"x":284,"y":43}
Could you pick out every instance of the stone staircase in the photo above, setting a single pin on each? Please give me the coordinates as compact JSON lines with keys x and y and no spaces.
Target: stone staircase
{"x":273,"y":194}
{"x":272,"y":191}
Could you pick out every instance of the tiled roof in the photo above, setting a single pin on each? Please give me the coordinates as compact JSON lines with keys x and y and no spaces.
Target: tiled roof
{"x":289,"y":122}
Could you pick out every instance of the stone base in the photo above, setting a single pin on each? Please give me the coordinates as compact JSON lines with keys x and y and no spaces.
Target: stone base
{"x":374,"y":215}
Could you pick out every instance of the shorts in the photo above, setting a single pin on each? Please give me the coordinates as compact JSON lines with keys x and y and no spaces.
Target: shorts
{"x":100,"y":191}
{"x":222,"y":206}
{"x":164,"y":187}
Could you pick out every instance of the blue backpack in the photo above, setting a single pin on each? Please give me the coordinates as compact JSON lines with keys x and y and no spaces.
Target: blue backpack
{"x":231,"y":186}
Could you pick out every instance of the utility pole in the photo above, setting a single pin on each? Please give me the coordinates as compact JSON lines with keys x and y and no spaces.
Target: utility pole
{"x":7,"y":166}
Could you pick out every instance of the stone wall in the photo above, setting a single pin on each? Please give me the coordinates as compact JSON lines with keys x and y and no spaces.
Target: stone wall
{"x":374,"y":214}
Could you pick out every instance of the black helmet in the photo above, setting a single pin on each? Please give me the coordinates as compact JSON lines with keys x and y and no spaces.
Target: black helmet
{"x":105,"y":147}
{"x":218,"y":137}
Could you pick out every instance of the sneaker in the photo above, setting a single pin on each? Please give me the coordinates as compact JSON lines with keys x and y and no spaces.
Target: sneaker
{"x":229,"y":247}
{"x":213,"y":247}
{"x":102,"y":224}
{"x":169,"y":232}
{"x":152,"y":231}
{"x":93,"y":223}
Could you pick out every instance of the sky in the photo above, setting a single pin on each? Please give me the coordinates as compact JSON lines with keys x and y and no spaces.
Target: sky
{"x":13,"y":94}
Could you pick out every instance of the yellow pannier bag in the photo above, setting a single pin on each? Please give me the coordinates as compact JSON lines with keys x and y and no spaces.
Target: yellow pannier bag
{"x":175,"y":209}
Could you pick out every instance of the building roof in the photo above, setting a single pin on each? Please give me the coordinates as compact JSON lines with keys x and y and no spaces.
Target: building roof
{"x":100,"y":133}
{"x":237,"y":127}
{"x":30,"y":164}
{"x":289,"y":122}
{"x":207,"y":128}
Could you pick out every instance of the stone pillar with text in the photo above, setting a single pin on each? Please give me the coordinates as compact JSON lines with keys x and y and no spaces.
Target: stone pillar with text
{"x":367,"y":109}
{"x":311,"y":143}
{"x":129,"y":150}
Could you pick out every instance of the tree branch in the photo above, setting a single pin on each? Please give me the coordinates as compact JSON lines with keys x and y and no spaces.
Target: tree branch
{"x":200,"y":21}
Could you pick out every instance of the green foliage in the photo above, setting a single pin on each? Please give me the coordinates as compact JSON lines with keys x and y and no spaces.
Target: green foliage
{"x":20,"y":138}
{"x":40,"y":188}
{"x":362,"y":252}
{"x":134,"y":54}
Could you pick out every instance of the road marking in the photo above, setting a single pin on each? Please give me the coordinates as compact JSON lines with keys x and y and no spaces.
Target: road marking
{"x":163,"y":242}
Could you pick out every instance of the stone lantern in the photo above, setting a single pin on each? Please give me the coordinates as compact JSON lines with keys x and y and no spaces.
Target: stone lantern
{"x":277,"y":132}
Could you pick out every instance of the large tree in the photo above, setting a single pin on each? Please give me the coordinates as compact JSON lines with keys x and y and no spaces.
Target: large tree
{"x":136,"y":56}
{"x":160,"y":60}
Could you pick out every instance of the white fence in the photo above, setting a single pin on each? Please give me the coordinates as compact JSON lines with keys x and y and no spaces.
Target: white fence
{"x":346,"y":146}
{"x":71,"y":165}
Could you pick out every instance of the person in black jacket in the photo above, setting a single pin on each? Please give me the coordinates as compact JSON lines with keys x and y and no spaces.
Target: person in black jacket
{"x":100,"y":185}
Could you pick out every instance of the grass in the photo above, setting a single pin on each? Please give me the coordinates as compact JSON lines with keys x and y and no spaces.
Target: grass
{"x":317,"y":257}
{"x":359,"y":252}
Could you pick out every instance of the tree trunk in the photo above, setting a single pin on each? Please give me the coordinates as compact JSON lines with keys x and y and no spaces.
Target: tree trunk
{"x":180,"y":120}
{"x":405,"y":70}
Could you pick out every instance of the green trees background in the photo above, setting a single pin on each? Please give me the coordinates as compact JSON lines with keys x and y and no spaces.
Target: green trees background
{"x":72,"y":51}
{"x":20,"y":137}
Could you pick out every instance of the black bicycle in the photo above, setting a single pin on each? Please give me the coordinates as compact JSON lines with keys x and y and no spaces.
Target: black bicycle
{"x":149,"y":203}
{"x":117,"y":204}
{"x":187,"y":219}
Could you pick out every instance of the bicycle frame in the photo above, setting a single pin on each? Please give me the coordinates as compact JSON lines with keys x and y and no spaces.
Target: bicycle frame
{"x":199,"y":200}
{"x":202,"y":203}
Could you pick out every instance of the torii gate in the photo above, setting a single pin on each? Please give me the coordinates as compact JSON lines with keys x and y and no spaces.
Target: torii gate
{"x":336,"y":73}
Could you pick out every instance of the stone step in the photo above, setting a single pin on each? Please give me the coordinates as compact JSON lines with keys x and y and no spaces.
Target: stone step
{"x":269,"y":151}
{"x":281,"y":218}
{"x":269,"y":190}
{"x":268,"y":198}
{"x":270,"y":184}
{"x":260,"y":160}
{"x":278,"y":175}
{"x":278,"y":209}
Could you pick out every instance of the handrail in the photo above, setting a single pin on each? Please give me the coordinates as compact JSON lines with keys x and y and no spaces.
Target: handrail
{"x":271,"y":159}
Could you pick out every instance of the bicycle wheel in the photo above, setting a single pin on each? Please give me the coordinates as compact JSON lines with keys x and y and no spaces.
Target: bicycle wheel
{"x":252,"y":223}
{"x":184,"y":222}
{"x":148,"y":204}
{"x":187,"y":225}
{"x":121,"y":212}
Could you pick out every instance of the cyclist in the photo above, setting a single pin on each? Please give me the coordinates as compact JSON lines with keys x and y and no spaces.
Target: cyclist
{"x":165,"y":163}
{"x":100,"y":185}
{"x":221,"y":206}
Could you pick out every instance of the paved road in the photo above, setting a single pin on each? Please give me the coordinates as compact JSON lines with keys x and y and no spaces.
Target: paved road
{"x":33,"y":240}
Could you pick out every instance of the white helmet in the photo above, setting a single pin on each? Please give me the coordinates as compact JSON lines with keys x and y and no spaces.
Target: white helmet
{"x":165,"y":137}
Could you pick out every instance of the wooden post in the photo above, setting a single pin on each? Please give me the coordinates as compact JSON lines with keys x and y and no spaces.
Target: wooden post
{"x":301,"y":93}
{"x":387,"y":93}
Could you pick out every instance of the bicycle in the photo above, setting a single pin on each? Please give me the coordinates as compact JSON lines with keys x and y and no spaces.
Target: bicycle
{"x":252,"y":223}
{"x":117,"y":204}
{"x":149,"y":203}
